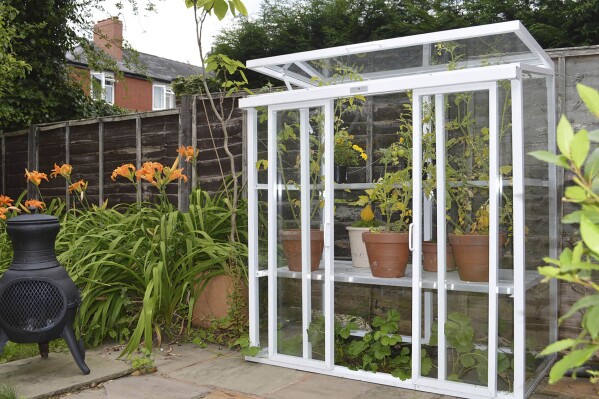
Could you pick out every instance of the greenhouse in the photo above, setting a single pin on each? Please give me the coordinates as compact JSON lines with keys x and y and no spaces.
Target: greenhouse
{"x":396,"y":220}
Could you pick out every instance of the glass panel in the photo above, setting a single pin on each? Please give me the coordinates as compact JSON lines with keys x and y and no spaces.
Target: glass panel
{"x":505,"y":370}
{"x":466,"y":147}
{"x":299,"y":199}
{"x":538,"y":221}
{"x":109,"y":91}
{"x":158,"y":97}
{"x":97,"y":86}
{"x":382,"y":60}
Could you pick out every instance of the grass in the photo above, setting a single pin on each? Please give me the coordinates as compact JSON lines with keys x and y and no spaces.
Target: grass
{"x":13,"y":351}
{"x":8,"y":391}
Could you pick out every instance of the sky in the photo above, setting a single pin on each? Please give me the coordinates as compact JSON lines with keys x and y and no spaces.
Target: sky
{"x":169,"y":31}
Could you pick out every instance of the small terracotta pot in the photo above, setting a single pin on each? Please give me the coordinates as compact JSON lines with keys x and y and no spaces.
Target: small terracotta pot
{"x":359,"y":257}
{"x":429,"y":257}
{"x":292,"y":248}
{"x":388,"y":253}
{"x":471,"y":254}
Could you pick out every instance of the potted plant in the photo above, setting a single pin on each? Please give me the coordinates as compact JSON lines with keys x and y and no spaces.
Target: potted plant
{"x":346,"y":154}
{"x":291,"y":233}
{"x":470,"y":201}
{"x":367,"y":221}
{"x":387,"y":246}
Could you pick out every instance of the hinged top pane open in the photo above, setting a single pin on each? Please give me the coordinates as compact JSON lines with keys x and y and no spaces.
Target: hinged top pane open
{"x":495,"y":44}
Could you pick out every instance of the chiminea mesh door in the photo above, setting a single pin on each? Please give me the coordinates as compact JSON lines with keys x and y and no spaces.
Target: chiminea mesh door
{"x":31,"y":305}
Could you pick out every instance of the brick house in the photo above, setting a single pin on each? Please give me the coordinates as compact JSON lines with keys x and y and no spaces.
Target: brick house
{"x":144,"y":87}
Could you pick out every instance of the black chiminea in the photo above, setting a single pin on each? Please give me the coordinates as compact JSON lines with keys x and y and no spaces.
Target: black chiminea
{"x":38,"y":299}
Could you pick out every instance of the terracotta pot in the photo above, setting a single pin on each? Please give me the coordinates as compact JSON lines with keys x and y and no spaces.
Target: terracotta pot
{"x":292,"y":248}
{"x":359,"y":257}
{"x":429,"y":257}
{"x":388,"y":253}
{"x":213,"y":303}
{"x":471,"y":254}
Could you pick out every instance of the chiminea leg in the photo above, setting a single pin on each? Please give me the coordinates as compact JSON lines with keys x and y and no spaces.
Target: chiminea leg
{"x":44,"y":348}
{"x":78,"y":354}
{"x":3,"y":339}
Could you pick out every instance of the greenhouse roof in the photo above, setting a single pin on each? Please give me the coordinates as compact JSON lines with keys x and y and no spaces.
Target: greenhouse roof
{"x":496,"y":44}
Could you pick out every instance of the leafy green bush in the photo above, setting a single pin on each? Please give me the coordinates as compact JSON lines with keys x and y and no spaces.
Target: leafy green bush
{"x":138,"y":266}
{"x":577,"y":265}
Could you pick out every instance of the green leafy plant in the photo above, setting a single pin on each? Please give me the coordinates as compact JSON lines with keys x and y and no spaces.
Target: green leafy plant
{"x":378,"y":350}
{"x":244,"y":344}
{"x":346,"y":152}
{"x":392,"y":193}
{"x":463,"y":353}
{"x":144,"y":363}
{"x":578,"y":265}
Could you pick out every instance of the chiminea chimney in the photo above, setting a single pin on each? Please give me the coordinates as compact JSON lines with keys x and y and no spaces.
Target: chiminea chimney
{"x":108,"y":36}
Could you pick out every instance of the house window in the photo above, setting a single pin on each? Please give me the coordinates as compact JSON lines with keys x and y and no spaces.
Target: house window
{"x":163,"y":97}
{"x":103,"y":86}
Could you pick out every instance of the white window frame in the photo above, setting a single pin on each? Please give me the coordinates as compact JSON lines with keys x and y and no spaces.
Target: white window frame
{"x":168,"y":97}
{"x":107,"y":85}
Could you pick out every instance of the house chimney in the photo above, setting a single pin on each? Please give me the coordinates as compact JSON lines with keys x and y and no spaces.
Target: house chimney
{"x":108,"y":36}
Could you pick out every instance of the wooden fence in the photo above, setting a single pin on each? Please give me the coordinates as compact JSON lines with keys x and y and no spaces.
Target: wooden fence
{"x":94,"y":147}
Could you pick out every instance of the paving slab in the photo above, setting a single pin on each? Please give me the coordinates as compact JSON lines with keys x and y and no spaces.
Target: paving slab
{"x":152,"y":386}
{"x":36,"y":378}
{"x":233,"y":373}
{"x":175,"y":357}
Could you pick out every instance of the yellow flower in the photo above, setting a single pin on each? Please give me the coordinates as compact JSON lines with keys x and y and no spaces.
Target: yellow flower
{"x":63,"y":170}
{"x":364,"y":156}
{"x":5,"y":200}
{"x":188,"y":153}
{"x":79,"y":186}
{"x":35,"y":204}
{"x":401,"y":140}
{"x":126,"y":170}
{"x":367,"y":214}
{"x":35,"y":177}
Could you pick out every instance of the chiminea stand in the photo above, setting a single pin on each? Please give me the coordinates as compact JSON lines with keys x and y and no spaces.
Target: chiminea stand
{"x":38,"y":299}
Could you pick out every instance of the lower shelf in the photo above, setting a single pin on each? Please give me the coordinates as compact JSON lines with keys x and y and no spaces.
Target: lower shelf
{"x":345,"y":272}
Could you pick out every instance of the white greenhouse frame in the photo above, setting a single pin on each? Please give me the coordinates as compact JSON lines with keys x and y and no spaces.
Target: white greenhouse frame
{"x":428,"y":83}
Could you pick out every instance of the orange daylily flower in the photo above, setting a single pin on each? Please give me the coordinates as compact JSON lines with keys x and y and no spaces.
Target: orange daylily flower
{"x":35,"y":204}
{"x":175,"y":174}
{"x":79,"y":186}
{"x":188,"y":153}
{"x":125,"y":170}
{"x":149,"y":172}
{"x":3,"y":212}
{"x":64,"y":170}
{"x":35,"y":177}
{"x":6,"y":200}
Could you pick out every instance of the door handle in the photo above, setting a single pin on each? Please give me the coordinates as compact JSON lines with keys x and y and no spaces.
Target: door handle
{"x":410,"y":240}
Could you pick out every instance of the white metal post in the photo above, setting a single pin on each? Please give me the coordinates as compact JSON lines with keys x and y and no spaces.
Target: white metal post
{"x":304,"y":114}
{"x":417,"y":232}
{"x":273,"y":196}
{"x":554,"y":225}
{"x":495,"y":188}
{"x":518,"y":236}
{"x":441,"y":236}
{"x":253,"y":242}
{"x":329,"y":247}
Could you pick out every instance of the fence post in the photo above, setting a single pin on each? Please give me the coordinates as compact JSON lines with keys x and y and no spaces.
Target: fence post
{"x":138,"y":155}
{"x":100,"y":162}
{"x":32,"y":159}
{"x":67,"y":159}
{"x":3,"y":164}
{"x":185,"y":133}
